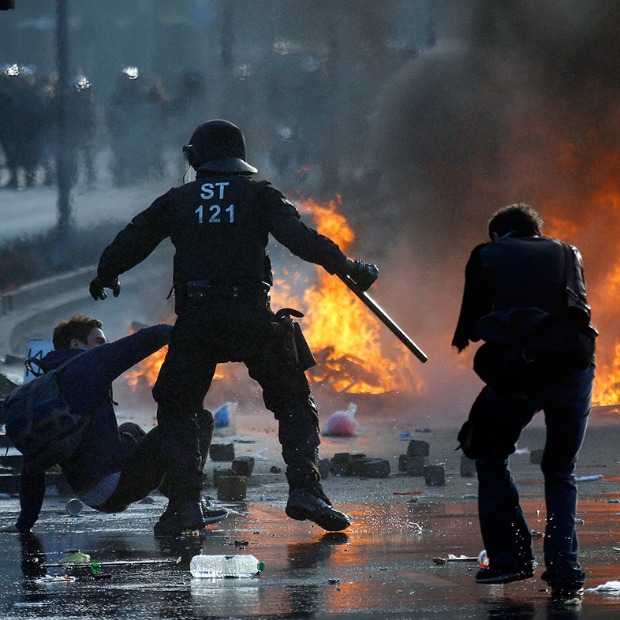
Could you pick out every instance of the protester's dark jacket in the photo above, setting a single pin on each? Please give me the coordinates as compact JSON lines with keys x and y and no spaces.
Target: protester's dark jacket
{"x":219,"y":225}
{"x":87,"y":384}
{"x":516,"y":271}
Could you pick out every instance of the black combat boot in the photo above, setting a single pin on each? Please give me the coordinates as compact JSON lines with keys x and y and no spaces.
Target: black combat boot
{"x":299,"y":437}
{"x":307,"y":500}
{"x":305,"y":504}
{"x":190,"y":516}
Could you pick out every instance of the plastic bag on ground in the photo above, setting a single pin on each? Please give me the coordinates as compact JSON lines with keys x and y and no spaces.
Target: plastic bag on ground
{"x":342,"y":423}
{"x":222,"y":416}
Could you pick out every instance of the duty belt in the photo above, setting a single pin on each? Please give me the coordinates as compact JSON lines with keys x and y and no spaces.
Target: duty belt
{"x":208,"y":290}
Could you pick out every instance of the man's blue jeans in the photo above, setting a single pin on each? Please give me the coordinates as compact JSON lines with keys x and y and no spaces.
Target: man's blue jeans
{"x":505,"y":531}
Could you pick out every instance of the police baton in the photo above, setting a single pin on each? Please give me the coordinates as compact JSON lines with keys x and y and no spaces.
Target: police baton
{"x":380,"y":313}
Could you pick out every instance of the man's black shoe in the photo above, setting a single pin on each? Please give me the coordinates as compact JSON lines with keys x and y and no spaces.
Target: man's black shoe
{"x":190,"y":516}
{"x":492,"y":575}
{"x":304,"y":505}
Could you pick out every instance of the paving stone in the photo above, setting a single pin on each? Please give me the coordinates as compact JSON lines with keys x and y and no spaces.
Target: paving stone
{"x":536,"y":457}
{"x":222,"y":452}
{"x":416,"y":465}
{"x":232,"y":488}
{"x":219,"y":473}
{"x":418,"y":448}
{"x":468,"y":467}
{"x":323,"y":466}
{"x":435,"y":475}
{"x":375,"y":468}
{"x":243,"y":465}
{"x":341,"y":464}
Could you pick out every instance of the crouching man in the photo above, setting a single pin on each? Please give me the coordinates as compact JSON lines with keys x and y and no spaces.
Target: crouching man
{"x":113,"y":465}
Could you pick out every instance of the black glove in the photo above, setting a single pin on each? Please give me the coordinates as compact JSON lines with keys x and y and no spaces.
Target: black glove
{"x":363,"y":274}
{"x":98,"y":285}
{"x":460,"y":342}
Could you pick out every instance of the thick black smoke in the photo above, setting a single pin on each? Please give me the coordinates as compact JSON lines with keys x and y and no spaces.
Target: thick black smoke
{"x":482,"y":117}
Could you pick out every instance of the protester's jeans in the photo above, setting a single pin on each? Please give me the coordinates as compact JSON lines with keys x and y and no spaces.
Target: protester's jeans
{"x":144,"y":471}
{"x":505,"y":531}
{"x":141,"y":474}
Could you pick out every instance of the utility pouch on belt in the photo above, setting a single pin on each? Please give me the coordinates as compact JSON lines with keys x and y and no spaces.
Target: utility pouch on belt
{"x":296,"y":348}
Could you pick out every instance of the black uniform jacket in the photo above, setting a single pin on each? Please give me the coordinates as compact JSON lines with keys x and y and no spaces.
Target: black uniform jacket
{"x":219,"y":225}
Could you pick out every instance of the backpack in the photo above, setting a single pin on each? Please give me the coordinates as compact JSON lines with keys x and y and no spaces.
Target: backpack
{"x":40,"y":423}
{"x":527,"y":349}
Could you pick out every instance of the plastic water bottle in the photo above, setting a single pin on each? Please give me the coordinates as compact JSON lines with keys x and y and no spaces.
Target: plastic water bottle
{"x":219,"y":566}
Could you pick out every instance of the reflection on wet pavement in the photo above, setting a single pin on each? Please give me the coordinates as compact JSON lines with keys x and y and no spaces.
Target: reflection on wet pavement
{"x":380,"y":568}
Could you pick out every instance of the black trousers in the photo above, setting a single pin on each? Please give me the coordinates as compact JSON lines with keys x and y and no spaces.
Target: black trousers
{"x":231,"y":331}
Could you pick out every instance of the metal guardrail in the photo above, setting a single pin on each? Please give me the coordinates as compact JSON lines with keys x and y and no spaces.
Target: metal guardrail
{"x":25,"y":296}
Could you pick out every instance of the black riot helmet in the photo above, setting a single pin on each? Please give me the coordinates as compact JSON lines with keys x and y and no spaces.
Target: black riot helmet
{"x":218,"y":146}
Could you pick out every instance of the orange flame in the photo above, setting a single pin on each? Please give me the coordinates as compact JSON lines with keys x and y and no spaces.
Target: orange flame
{"x":603,"y":293}
{"x":607,"y":382}
{"x":145,"y":373}
{"x":344,"y":335}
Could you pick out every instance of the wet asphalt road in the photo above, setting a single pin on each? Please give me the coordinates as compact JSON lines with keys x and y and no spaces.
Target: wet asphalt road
{"x":381,"y":567}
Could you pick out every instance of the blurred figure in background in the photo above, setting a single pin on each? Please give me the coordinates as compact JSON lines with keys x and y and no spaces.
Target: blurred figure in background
{"x":188,"y":104}
{"x":24,"y":115}
{"x":134,"y":119}
{"x":82,"y":127}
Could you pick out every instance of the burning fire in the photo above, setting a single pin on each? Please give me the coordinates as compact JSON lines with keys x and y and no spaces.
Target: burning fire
{"x":145,"y":373}
{"x":604,"y":291}
{"x":607,"y":381}
{"x":343,"y":335}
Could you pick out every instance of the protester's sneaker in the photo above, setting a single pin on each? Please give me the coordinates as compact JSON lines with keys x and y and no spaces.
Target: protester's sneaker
{"x":213,"y":514}
{"x":493,"y":575}
{"x":304,"y":505}
{"x":567,"y":596}
{"x":189,"y":516}
{"x":563,"y":599}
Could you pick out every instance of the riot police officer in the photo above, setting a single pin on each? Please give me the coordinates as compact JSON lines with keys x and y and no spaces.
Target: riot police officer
{"x":219,"y":225}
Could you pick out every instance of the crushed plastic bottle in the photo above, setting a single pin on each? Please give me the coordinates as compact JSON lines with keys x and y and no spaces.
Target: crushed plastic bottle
{"x":76,"y":558}
{"x":483,"y":559}
{"x":53,"y":579}
{"x":74,"y":507}
{"x":223,"y":566}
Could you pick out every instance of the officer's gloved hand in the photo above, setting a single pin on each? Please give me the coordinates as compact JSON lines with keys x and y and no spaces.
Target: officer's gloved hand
{"x":363,"y":274}
{"x":98,"y":285}
{"x":460,"y":342}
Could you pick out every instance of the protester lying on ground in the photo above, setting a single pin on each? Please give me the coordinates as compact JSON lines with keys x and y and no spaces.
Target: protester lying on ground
{"x":113,"y":466}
